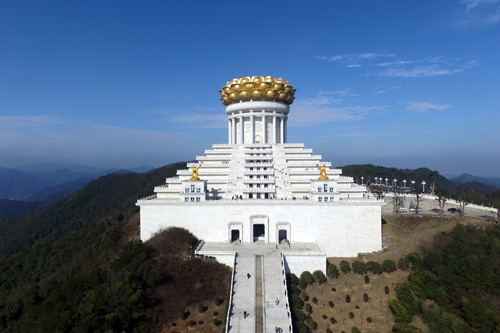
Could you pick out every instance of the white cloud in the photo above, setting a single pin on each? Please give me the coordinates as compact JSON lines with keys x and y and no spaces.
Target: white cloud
{"x":435,"y":69}
{"x":424,"y":106}
{"x":470,"y":4}
{"x":326,"y":109}
{"x":353,"y":60}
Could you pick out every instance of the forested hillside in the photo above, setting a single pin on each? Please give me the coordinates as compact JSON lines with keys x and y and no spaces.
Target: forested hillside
{"x":77,"y":265}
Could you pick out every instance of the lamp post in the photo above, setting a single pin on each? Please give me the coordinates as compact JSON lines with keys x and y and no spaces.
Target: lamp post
{"x":380,"y":180}
{"x":423,"y":186}
{"x":404,"y":182}
{"x":412,"y":184}
{"x":395,"y":182}
{"x":362,"y":180}
{"x":386,"y":181}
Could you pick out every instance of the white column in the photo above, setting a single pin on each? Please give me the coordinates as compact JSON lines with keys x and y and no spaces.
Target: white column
{"x":286,"y":129}
{"x":282,"y":131}
{"x":264,"y":129}
{"x":233,"y":130}
{"x":274,"y":129}
{"x":242,"y":129}
{"x":229,"y":130}
{"x":252,"y":130}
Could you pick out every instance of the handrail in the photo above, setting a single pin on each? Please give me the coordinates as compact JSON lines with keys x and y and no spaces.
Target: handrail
{"x":283,"y":273}
{"x":230,"y":301}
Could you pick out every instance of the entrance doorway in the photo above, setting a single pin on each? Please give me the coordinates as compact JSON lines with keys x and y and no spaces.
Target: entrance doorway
{"x":259,"y":232}
{"x":235,"y":235}
{"x":282,"y":236}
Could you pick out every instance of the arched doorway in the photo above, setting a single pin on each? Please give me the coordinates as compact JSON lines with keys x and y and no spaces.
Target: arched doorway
{"x":259,"y":226}
{"x":235,"y":232}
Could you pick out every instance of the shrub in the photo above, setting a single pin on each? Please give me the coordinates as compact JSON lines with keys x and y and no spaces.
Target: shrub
{"x":345,"y":267}
{"x":365,"y":298}
{"x":215,"y":313}
{"x":219,"y":301}
{"x":202,"y":308}
{"x":319,"y":276}
{"x":328,"y":330}
{"x":306,"y":278}
{"x":217,"y":322}
{"x":191,"y":323}
{"x":367,"y":279}
{"x":369,"y":320}
{"x":355,"y":330}
{"x":299,"y":314}
{"x":404,"y":264}
{"x":294,"y":279}
{"x":297,"y":301}
{"x":308,"y":308}
{"x":358,"y":267}
{"x":386,"y":290}
{"x":315,"y":300}
{"x":333,"y":271}
{"x":414,"y":259}
{"x":347,"y":299}
{"x":301,"y":327}
{"x":201,"y":322}
{"x":294,"y":289}
{"x":388,"y":266}
{"x":304,"y":296}
{"x":185,"y":314}
{"x":324,"y":316}
{"x":311,"y":323}
{"x":331,"y":304}
{"x":333,"y":321}
{"x":374,"y":267}
{"x":351,"y":315}
{"x":334,"y":290}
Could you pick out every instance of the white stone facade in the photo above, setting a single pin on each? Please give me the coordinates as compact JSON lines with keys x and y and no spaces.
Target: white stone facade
{"x":259,"y":188}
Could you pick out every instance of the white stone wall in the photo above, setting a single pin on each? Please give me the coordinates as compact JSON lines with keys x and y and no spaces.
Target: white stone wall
{"x":339,"y":229}
{"x":297,"y":264}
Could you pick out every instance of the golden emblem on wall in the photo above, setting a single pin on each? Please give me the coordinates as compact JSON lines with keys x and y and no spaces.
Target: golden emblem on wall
{"x":257,"y":87}
{"x":322,"y":172}
{"x":194,"y":175}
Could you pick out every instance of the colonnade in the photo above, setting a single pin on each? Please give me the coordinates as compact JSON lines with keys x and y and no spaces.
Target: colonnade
{"x":241,"y":119}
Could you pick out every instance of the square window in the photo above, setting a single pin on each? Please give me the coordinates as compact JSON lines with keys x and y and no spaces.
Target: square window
{"x":319,"y":189}
{"x":325,"y":187}
{"x":331,"y":189}
{"x":186,"y":190}
{"x":192,"y":199}
{"x":186,"y":199}
{"x":192,"y":188}
{"x":326,"y":199}
{"x":197,"y":190}
{"x":197,"y":199}
{"x":320,"y":199}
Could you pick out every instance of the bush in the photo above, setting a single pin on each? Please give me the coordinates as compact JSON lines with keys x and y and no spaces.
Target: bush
{"x":347,"y":299}
{"x":201,"y":322}
{"x":299,"y":314}
{"x":358,"y":267}
{"x":328,"y":330}
{"x":315,"y":300}
{"x":365,"y":298}
{"x":331,"y":304}
{"x":191,"y":323}
{"x":369,"y":320}
{"x":351,"y":315}
{"x":219,"y":301}
{"x":386,"y":290}
{"x":333,"y":321}
{"x":404,"y":264}
{"x":185,"y":314}
{"x":388,"y":266}
{"x":202,"y":308}
{"x":304,"y":296}
{"x":324,"y":316}
{"x":311,"y":323}
{"x":294,"y":289}
{"x":367,"y":279}
{"x":333,"y":271}
{"x":294,"y":279}
{"x":374,"y":267}
{"x":319,"y":276}
{"x":297,"y":301}
{"x":308,"y":308}
{"x":217,"y":322}
{"x":345,"y":267}
{"x":355,"y":330}
{"x":306,"y":278}
{"x":301,"y":327}
{"x":414,"y":259}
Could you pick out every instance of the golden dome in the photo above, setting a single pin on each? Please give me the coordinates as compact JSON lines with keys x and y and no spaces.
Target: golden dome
{"x":257,"y":87}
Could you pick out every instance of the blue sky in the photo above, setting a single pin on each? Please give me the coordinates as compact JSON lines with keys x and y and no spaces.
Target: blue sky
{"x":401,"y":84}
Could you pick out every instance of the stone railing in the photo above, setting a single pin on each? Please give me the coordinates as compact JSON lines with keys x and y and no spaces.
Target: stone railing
{"x":287,"y":305}
{"x":230,"y":301}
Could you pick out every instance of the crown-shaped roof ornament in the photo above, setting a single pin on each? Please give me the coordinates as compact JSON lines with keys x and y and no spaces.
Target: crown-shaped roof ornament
{"x":257,"y":87}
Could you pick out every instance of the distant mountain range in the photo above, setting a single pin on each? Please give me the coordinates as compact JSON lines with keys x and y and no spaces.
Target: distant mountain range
{"x":43,"y":184}
{"x":468,"y":178}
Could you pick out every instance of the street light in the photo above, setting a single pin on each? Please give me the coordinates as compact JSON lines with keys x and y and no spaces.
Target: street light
{"x":423,"y":185}
{"x":362,"y":180}
{"x":404,"y":182}
{"x":380,"y":180}
{"x":395,"y":182}
{"x":412,"y":184}
{"x":386,"y":181}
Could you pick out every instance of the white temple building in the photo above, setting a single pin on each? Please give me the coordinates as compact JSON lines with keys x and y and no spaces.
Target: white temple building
{"x":258,"y":188}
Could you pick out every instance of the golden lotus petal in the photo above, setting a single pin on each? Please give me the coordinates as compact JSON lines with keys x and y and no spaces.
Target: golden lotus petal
{"x":257,"y":93}
{"x":227,"y":90}
{"x":257,"y":79}
{"x":269,"y":79}
{"x":270,"y":93}
{"x":244,"y":94}
{"x":264,"y":85}
{"x":278,"y":86}
{"x":282,"y":95}
{"x":236,"y":86}
{"x":232,"y":96}
{"x":244,"y":79}
{"x":249,"y":85}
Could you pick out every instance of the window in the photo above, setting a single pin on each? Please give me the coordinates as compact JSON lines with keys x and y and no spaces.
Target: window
{"x":192,"y":199}
{"x":331,"y":189}
{"x":186,"y":199}
{"x":192,"y":188}
{"x":197,"y":199}
{"x":320,"y":199}
{"x":326,"y":199}
{"x":197,"y":190}
{"x":319,"y":189}
{"x":325,"y":187}
{"x":186,"y":190}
